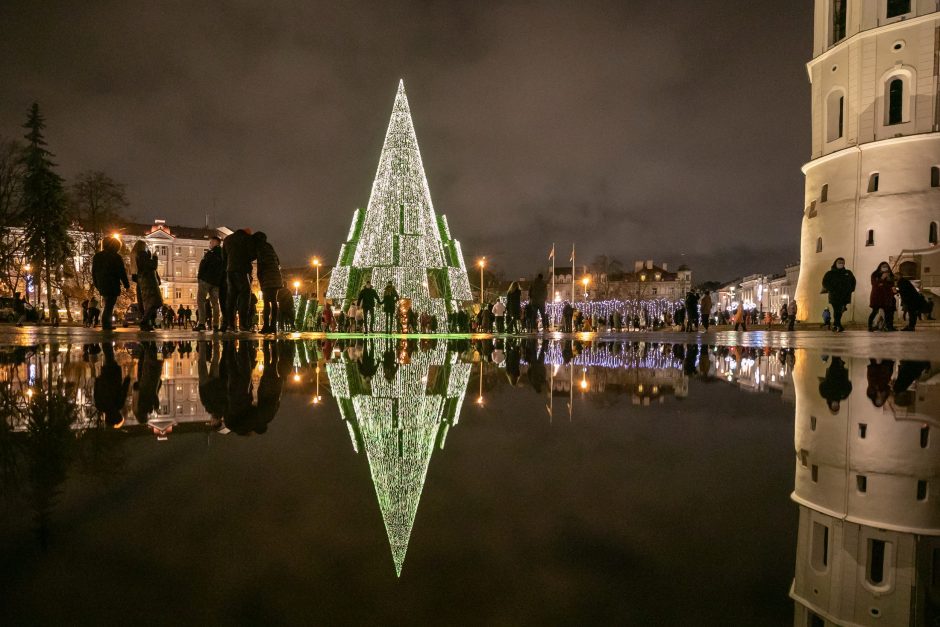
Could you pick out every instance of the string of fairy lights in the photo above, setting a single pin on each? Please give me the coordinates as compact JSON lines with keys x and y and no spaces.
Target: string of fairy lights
{"x":399,"y":238}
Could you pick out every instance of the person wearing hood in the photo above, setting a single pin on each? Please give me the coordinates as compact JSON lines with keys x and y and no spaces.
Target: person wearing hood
{"x":239,"y":250}
{"x":109,"y":274}
{"x":513,"y":307}
{"x":270,"y":279}
{"x":882,"y":296}
{"x":839,"y":283}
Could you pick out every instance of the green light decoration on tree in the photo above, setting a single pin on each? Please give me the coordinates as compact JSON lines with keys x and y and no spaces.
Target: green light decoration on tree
{"x":398,"y":417}
{"x":399,"y":238}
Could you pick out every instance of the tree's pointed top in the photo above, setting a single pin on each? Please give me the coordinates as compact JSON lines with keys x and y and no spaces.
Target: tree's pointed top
{"x":401,"y":85}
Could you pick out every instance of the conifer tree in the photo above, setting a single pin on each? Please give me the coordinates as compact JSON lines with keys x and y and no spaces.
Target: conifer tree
{"x":45,"y":221}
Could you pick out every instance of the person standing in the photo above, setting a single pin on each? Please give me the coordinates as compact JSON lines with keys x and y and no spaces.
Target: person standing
{"x":567,"y":316}
{"x":19,"y":308}
{"x":882,"y":296}
{"x":839,"y":283}
{"x":705,"y":304}
{"x":738,"y":319}
{"x":211,"y":275}
{"x":93,"y":311}
{"x":180,"y":315}
{"x":270,"y":279}
{"x":827,"y":319}
{"x":54,"y":313}
{"x":513,"y":307}
{"x":791,"y":314}
{"x":538,"y":293}
{"x":85,"y":312}
{"x":499,"y":312}
{"x":691,"y":311}
{"x":389,"y":304}
{"x":912,"y":301}
{"x":109,"y":274}
{"x":239,"y":251}
{"x":149,"y":298}
{"x":366,"y":301}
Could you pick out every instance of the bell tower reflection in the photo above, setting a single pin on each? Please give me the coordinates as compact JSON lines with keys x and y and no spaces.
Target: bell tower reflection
{"x":399,"y":400}
{"x":867,"y":484}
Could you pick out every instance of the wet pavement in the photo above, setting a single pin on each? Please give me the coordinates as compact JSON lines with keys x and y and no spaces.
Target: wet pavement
{"x":676,"y":479}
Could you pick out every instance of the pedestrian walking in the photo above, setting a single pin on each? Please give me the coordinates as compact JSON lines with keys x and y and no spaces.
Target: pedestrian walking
{"x":54,"y":313}
{"x":882,"y":296}
{"x":93,"y":312}
{"x":180,"y":315}
{"x":738,"y":319}
{"x":19,"y":309}
{"x":366,"y":302}
{"x":839,"y":283}
{"x":85,"y":309}
{"x":499,"y":313}
{"x":567,"y":317}
{"x":239,"y":251}
{"x":791,"y":314}
{"x":108,"y":275}
{"x":270,"y":279}
{"x":389,"y":304}
{"x":705,"y":304}
{"x":210,"y":277}
{"x":691,"y":311}
{"x":149,"y":298}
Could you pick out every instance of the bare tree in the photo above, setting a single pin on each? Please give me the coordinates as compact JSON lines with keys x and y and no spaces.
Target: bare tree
{"x":605,"y":268}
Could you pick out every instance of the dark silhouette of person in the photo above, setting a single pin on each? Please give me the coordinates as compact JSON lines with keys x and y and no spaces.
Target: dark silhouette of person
{"x":367,"y":364}
{"x":879,"y":381}
{"x":212,"y":388}
{"x":147,"y":387}
{"x":835,"y":387}
{"x":276,"y":368}
{"x":111,"y":389}
{"x":908,"y":372}
{"x":238,"y":363}
{"x":389,"y":364}
{"x":535,"y":356}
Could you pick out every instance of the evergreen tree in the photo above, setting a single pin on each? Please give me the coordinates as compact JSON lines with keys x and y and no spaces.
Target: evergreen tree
{"x":45,"y":221}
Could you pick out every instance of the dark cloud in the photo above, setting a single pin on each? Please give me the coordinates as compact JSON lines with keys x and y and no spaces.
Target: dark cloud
{"x":634,"y":129}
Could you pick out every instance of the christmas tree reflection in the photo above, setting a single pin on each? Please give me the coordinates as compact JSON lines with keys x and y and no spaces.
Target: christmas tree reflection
{"x":399,"y":401}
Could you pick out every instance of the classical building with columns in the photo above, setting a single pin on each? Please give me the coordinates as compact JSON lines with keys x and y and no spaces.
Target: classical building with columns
{"x":873,"y":184}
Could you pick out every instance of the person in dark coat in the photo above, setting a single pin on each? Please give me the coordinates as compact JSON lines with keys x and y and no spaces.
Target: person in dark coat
{"x":389,"y":305}
{"x":276,"y":369}
{"x":366,"y":362}
{"x":513,"y":307}
{"x":879,"y":381}
{"x":237,"y":366}
{"x":239,"y":251}
{"x":285,"y":309}
{"x":567,"y":315}
{"x":145,"y":274}
{"x":691,"y":310}
{"x":836,"y":387}
{"x":538,"y":294}
{"x":270,"y":279}
{"x":839,"y":283}
{"x":882,"y":296}
{"x":111,"y":389}
{"x":147,"y":386}
{"x":912,"y":302}
{"x":212,"y":392}
{"x":211,"y":276}
{"x":366,"y":301}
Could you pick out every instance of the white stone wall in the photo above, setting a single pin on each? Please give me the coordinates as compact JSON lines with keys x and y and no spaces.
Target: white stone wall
{"x":838,"y":206}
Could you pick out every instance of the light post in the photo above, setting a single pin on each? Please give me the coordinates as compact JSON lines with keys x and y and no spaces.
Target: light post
{"x":585,"y":282}
{"x":28,"y":268}
{"x":296,"y":287}
{"x":316,"y":264}
{"x":481,"y":263}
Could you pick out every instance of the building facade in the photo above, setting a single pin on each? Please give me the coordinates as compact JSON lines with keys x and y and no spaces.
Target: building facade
{"x":872,"y":189}
{"x":647,"y":281}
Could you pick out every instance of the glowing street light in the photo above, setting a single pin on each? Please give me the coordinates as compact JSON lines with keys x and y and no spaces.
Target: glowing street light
{"x":585,"y":282}
{"x":296,"y":287}
{"x":316,"y":264}
{"x":481,"y":263}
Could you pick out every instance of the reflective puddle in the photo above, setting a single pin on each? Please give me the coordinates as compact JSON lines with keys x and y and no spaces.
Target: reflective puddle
{"x":458,"y":482}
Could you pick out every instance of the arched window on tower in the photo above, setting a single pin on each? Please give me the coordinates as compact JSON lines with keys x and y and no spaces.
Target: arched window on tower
{"x":895,"y":109}
{"x":898,"y":7}
{"x":824,"y":193}
{"x":873,"y":182}
{"x":932,"y":235}
{"x":935,"y":176}
{"x":818,"y":244}
{"x":870,"y":240}
{"x":835,"y":115}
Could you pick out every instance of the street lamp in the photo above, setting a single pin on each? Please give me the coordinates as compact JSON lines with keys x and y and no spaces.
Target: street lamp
{"x":28,"y":268}
{"x":481,"y":263}
{"x":316,"y":264}
{"x":585,"y":282}
{"x":296,"y":287}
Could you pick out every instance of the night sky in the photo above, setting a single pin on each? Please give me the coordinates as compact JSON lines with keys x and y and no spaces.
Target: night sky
{"x":673,"y":131}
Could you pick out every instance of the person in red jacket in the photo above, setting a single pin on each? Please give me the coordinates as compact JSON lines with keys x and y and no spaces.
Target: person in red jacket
{"x":882,"y":296}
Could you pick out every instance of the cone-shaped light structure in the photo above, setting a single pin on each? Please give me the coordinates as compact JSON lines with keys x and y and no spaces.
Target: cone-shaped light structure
{"x":399,"y":237}
{"x":398,"y":415}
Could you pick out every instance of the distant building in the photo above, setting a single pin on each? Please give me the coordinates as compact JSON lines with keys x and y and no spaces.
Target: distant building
{"x":647,"y":281}
{"x":873,"y":185}
{"x":758,"y":292}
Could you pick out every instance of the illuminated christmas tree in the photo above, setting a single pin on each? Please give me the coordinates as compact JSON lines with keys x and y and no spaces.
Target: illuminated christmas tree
{"x":399,"y":238}
{"x":398,"y":416}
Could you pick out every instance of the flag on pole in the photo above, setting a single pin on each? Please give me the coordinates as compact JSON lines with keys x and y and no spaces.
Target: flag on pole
{"x":551,"y":255}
